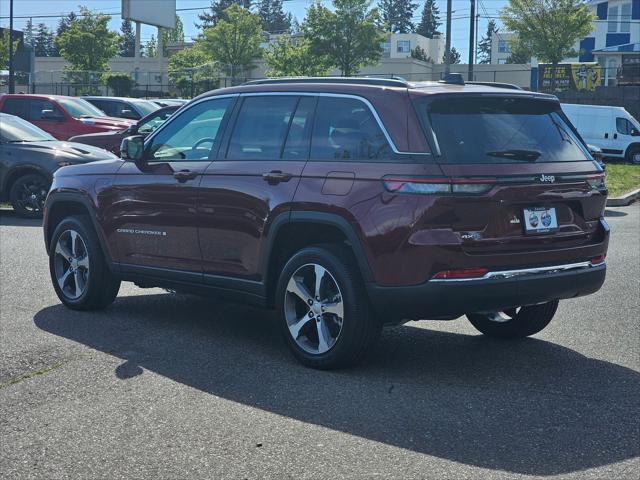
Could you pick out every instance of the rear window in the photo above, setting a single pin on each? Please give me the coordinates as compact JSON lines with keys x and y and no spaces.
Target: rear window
{"x":502,"y":130}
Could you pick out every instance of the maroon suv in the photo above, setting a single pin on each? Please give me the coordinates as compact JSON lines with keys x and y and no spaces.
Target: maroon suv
{"x":345,"y":204}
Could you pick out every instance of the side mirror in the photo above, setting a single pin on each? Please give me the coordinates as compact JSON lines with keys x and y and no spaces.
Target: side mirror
{"x":635,"y":132}
{"x":132,"y":148}
{"x":50,"y":115}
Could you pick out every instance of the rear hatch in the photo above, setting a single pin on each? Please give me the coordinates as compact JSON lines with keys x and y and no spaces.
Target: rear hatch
{"x":519,"y":177}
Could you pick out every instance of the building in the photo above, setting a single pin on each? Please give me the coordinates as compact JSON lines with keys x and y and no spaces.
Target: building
{"x":500,"y":47}
{"x":400,"y":45}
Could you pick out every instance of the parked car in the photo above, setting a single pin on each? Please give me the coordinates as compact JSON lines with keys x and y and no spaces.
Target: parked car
{"x":63,"y":117}
{"x":612,"y":129}
{"x":345,"y":204}
{"x":111,"y":140}
{"x":120,"y":107}
{"x":28,"y":158}
{"x":166,"y":102}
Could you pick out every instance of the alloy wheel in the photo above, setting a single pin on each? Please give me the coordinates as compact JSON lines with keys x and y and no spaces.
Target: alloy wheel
{"x":314,"y":308}
{"x":71,"y":264}
{"x":31,"y":196}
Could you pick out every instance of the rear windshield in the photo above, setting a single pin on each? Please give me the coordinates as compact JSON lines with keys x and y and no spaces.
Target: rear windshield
{"x":502,"y":130}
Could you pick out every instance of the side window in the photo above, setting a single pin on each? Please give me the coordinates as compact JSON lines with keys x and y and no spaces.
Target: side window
{"x":36,"y":107}
{"x":191,"y":135}
{"x":17,"y":107}
{"x":345,"y":129}
{"x":297,"y":145}
{"x":260,"y":128}
{"x":126,"y":110}
{"x":104,"y":106}
{"x":623,"y":126}
{"x":151,"y":123}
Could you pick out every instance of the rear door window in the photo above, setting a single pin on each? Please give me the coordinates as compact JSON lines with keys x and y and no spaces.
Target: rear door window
{"x":299,"y":136}
{"x":501,"y":130}
{"x":346,"y":130}
{"x":261,"y":127}
{"x":16,"y":106}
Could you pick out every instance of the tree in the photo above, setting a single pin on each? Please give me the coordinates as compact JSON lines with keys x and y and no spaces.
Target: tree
{"x":484,"y":45}
{"x":347,"y":36}
{"x":216,"y":12}
{"x":454,"y":56}
{"x":4,"y":48}
{"x":28,"y":34}
{"x":172,"y":35}
{"x":396,"y":15}
{"x":121,"y":84}
{"x":419,"y":54}
{"x":151,"y":47}
{"x":518,"y":52}
{"x":235,"y":42}
{"x":274,"y":20}
{"x":127,"y":47}
{"x":549,"y":28}
{"x":289,"y":57}
{"x":430,"y":20}
{"x":191,"y":68}
{"x":43,"y":41}
{"x":63,"y":25}
{"x":88,"y":44}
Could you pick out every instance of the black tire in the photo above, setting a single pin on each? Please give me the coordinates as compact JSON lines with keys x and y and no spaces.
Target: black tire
{"x":360,"y":328}
{"x":27,"y":195}
{"x":522,"y":323}
{"x":101,"y":287}
{"x":633,"y":154}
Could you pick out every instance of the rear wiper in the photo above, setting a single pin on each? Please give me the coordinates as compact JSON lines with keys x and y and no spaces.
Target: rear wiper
{"x":515,"y":154}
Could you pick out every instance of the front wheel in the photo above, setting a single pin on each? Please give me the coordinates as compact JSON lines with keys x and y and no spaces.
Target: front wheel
{"x":517,"y":322}
{"x":633,"y":154}
{"x":323,"y":308}
{"x":27,"y":195}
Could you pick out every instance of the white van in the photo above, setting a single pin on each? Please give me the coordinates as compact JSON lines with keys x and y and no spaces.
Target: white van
{"x":613,"y":129}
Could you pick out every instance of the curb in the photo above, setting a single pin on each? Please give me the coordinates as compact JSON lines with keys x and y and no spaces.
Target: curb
{"x":628,"y":199}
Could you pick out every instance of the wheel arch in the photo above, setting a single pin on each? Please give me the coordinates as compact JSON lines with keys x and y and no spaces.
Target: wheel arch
{"x":19,"y":171}
{"x":290,"y":232}
{"x":629,"y":147}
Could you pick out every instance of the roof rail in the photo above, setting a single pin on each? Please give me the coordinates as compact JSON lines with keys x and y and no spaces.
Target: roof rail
{"x":383,"y":82}
{"x":453,"y":79}
{"x":497,"y":85}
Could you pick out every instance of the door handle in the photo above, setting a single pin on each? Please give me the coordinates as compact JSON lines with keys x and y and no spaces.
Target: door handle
{"x":184,"y":175}
{"x":276,"y":176}
{"x":606,"y":135}
{"x":615,"y":136}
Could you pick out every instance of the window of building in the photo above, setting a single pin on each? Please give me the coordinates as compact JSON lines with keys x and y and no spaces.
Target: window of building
{"x":261,"y":127}
{"x":612,"y":17}
{"x":386,"y":47}
{"x":404,"y":46}
{"x":503,"y":46}
{"x":502,"y":61}
{"x":346,"y":130}
{"x":625,"y":17}
{"x":619,"y":18}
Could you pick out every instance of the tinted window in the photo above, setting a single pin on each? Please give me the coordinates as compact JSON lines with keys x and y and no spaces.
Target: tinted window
{"x":624,"y":126}
{"x":16,"y":106}
{"x":299,"y":136}
{"x":260,"y":128}
{"x":79,"y":108}
{"x":345,"y":129}
{"x":102,"y":105}
{"x":37,"y":106}
{"x":149,"y":124}
{"x":14,"y":129}
{"x":502,"y":130}
{"x":190,"y":135}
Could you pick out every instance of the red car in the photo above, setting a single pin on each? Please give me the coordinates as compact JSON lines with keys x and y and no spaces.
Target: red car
{"x":345,"y":204}
{"x":63,"y":117}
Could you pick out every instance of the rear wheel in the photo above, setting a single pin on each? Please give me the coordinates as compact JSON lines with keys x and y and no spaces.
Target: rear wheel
{"x":633,"y":154}
{"x":27,"y":195}
{"x":80,"y":275}
{"x":323,"y":308}
{"x":515,"y":322}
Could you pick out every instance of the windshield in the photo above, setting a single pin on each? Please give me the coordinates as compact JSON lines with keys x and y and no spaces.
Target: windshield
{"x":14,"y":129}
{"x":502,"y":130}
{"x":79,"y":108}
{"x":146,"y":107}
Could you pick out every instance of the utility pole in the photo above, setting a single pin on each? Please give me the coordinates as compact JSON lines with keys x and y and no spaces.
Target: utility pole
{"x":472,"y":35}
{"x":475,"y":45}
{"x":447,"y":48}
{"x":12,"y":84}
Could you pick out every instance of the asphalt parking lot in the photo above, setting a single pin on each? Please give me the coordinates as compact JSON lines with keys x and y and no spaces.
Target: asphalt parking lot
{"x":170,"y":386}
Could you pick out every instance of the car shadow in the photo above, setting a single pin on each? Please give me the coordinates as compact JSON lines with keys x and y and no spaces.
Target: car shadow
{"x":529,"y":406}
{"x":614,"y":213}
{"x":10,"y":218}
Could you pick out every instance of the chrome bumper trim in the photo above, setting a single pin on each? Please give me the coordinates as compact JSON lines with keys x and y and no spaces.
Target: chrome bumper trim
{"x":522,"y":272}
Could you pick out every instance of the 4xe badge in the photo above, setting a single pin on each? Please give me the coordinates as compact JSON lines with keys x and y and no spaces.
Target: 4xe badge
{"x":547,"y":178}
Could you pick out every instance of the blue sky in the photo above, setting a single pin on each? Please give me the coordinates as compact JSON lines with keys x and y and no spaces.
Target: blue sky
{"x":459,"y":32}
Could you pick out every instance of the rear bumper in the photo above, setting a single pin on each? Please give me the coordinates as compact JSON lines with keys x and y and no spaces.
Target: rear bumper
{"x":496,"y":292}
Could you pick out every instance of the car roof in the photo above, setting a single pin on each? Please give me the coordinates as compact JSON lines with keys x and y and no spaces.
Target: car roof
{"x":122,"y":99}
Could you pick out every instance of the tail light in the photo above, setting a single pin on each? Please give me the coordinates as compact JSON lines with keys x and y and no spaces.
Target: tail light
{"x":598,"y":260}
{"x":596,"y":182}
{"x":461,"y":273}
{"x":438,"y":185}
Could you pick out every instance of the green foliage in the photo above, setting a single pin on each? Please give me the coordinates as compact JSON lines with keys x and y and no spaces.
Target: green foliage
{"x":120,"y":84}
{"x":430,"y":20}
{"x":151,"y":48}
{"x":172,"y":35}
{"x":274,"y":20}
{"x":518,"y":52}
{"x":43,"y":41}
{"x":4,"y":48}
{"x":63,"y":25}
{"x":484,"y":45}
{"x":548,"y":28}
{"x":88,"y":44}
{"x":396,"y":15}
{"x":419,"y":54}
{"x":235,"y":42}
{"x":191,"y":71}
{"x":217,"y":12}
{"x":127,"y":46}
{"x":28,"y":33}
{"x":288,"y":57}
{"x":347,"y":36}
{"x":455,"y":56}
